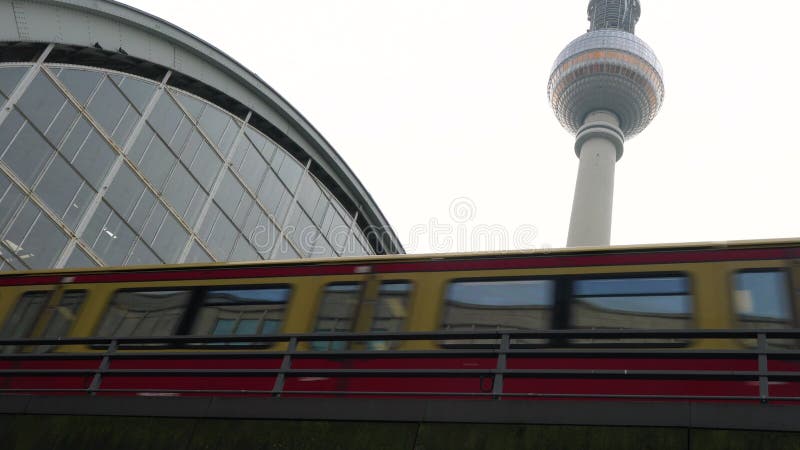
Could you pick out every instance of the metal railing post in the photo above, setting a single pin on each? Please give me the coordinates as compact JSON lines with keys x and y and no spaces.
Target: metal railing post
{"x":105,"y":363}
{"x":497,"y":386}
{"x":286,"y":364}
{"x":763,"y":366}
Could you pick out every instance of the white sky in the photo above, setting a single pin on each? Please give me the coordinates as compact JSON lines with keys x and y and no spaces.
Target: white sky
{"x":431,"y":101}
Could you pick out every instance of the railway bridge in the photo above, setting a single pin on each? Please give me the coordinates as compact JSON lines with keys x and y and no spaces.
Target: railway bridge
{"x":274,"y":392}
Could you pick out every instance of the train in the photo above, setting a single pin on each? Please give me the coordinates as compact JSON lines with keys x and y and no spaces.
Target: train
{"x":521,"y":323}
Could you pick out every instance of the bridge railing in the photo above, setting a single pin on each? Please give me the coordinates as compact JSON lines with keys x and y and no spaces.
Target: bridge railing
{"x":23,"y":360}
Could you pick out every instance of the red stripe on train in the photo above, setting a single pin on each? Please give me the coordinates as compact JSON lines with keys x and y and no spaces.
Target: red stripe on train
{"x":436,"y":265}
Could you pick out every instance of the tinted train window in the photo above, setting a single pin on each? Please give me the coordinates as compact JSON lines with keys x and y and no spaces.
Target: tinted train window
{"x":64,"y":315}
{"x":647,"y":303}
{"x":337,"y":312}
{"x":391,"y":311}
{"x":484,"y":305}
{"x":144,"y":313}
{"x":245,"y":311}
{"x":761,"y":299}
{"x":499,"y":304}
{"x":23,"y":318}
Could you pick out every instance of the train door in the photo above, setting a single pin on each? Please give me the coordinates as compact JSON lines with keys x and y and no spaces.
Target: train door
{"x":370,"y":305}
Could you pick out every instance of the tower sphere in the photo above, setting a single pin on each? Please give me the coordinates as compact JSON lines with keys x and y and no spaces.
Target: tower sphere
{"x":608,"y":68}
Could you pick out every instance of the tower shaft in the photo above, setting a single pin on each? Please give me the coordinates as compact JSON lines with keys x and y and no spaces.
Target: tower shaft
{"x":599,"y":145}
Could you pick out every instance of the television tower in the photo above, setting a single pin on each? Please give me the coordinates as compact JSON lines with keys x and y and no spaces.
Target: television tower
{"x":605,"y":87}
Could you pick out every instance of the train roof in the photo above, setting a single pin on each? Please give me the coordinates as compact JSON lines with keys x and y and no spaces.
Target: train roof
{"x":407,"y":258}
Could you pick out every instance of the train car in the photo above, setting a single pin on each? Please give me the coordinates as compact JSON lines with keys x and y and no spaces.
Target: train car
{"x":645,"y":322}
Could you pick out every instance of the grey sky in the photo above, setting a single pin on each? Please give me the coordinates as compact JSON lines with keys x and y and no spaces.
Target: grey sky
{"x":430,"y":101}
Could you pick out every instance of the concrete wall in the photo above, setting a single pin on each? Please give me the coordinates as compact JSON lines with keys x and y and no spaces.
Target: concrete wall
{"x":33,"y":432}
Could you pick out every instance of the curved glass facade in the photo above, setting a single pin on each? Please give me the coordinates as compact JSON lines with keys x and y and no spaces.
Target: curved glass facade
{"x":105,"y":168}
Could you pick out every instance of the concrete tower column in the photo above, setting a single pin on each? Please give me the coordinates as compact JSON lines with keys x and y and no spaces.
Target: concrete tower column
{"x":599,"y":145}
{"x":606,"y":86}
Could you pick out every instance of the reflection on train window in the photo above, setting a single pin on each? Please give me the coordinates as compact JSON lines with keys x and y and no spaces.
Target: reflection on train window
{"x":144,"y":313}
{"x":337,"y":311}
{"x":23,"y":318}
{"x":761,"y":299}
{"x":244,"y":311}
{"x":391,"y":311}
{"x":661,"y":302}
{"x":484,"y":305}
{"x":63,"y":315}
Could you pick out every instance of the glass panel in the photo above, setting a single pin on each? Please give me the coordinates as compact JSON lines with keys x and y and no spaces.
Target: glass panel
{"x":762,"y":300}
{"x":9,"y":129}
{"x":192,"y":104}
{"x":10,"y":199}
{"x":154,"y":221}
{"x":109,"y":236}
{"x":9,"y":77}
{"x":197,"y":254}
{"x":152,"y":157}
{"x":205,"y":165}
{"x":89,"y":153}
{"x":108,"y":107}
{"x":274,"y":195}
{"x":61,"y":123}
{"x":261,"y":232}
{"x":34,"y":238}
{"x":180,"y":189}
{"x":165,"y":117}
{"x":243,"y":251}
{"x":142,"y":255}
{"x":138,"y":91}
{"x":391,"y":312}
{"x":63,"y":190}
{"x":223,"y":235}
{"x":242,"y":311}
{"x":144,"y":313}
{"x":309,"y":194}
{"x":170,"y":240}
{"x":81,"y":83}
{"x":337,"y":311}
{"x":290,"y":172}
{"x":219,"y":127}
{"x":252,"y":166}
{"x":487,"y":305}
{"x":41,"y":102}
{"x":229,"y":194}
{"x":79,"y":259}
{"x":285,"y":251}
{"x":27,"y":154}
{"x":124,"y":192}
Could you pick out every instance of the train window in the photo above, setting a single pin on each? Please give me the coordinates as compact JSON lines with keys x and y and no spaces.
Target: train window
{"x":761,"y":299}
{"x":61,"y":318}
{"x":391,"y":311}
{"x":64,"y":314}
{"x":337,"y":312}
{"x":144,"y":313}
{"x":23,"y":318}
{"x":242,"y":311}
{"x":655,"y":302}
{"x":484,"y":305}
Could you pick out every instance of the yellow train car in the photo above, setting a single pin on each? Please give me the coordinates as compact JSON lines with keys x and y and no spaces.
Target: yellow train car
{"x":674,"y":288}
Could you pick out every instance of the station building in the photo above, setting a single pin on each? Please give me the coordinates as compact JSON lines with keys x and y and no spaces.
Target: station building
{"x":125,"y":140}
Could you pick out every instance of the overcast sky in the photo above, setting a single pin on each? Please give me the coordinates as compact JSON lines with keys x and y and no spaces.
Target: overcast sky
{"x":440,"y":108}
